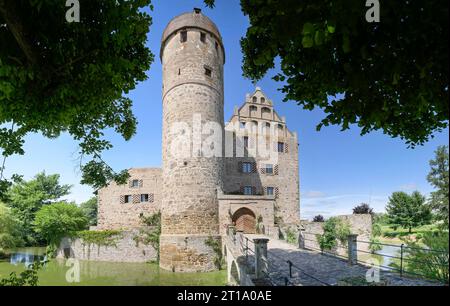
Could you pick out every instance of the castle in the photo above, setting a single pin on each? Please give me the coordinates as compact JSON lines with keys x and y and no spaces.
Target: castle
{"x":213,"y":174}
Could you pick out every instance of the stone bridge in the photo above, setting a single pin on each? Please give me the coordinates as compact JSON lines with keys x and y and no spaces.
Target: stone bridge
{"x":254,"y":260}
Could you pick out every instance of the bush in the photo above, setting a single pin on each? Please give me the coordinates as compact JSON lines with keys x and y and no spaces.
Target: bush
{"x":431,"y":262}
{"x":291,"y":236}
{"x":362,"y":209}
{"x":334,"y":230}
{"x":319,"y":218}
{"x":10,"y":234}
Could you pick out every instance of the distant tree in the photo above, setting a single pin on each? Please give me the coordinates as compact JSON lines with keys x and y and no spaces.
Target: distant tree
{"x":90,"y":210}
{"x":362,"y":209}
{"x":408,"y":211}
{"x":26,"y":197}
{"x":439,"y":177}
{"x":56,"y":221}
{"x":393,"y":73}
{"x":319,"y":218}
{"x":10,"y":235}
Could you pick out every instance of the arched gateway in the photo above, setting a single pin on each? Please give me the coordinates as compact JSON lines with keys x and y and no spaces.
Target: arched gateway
{"x":245,"y":220}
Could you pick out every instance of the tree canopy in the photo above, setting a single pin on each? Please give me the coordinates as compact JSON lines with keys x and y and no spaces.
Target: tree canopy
{"x":57,"y":76}
{"x":90,"y":210}
{"x":438,"y":177}
{"x":56,"y":221}
{"x":9,"y":229}
{"x":393,"y":74}
{"x":408,"y":211}
{"x":25,"y":198}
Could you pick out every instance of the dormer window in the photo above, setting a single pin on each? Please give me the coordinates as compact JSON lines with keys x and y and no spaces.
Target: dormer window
{"x":183,"y":36}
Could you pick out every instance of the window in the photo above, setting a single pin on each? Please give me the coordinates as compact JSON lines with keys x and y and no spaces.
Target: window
{"x":270,"y":191}
{"x":144,"y":197}
{"x":269,"y":169}
{"x":135,"y":183}
{"x":217,"y":47}
{"x":202,"y":37}
{"x":208,"y":71}
{"x":242,"y":125}
{"x":183,"y":36}
{"x":245,"y":142}
{"x":247,"y":167}
{"x":127,"y":199}
{"x":280,"y":127}
{"x":253,"y":108}
{"x":280,"y":147}
{"x":248,"y":190}
{"x":255,"y":99}
{"x":263,"y":100}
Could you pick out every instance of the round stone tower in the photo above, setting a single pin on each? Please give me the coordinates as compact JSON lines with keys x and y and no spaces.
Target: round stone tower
{"x":192,"y":57}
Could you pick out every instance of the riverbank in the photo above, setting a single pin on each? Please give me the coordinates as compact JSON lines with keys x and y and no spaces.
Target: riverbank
{"x":61,"y":272}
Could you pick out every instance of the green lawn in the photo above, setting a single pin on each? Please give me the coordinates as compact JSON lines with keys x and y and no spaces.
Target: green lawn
{"x":389,"y":232}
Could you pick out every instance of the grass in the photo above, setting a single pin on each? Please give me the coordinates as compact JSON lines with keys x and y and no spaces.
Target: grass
{"x":416,"y":232}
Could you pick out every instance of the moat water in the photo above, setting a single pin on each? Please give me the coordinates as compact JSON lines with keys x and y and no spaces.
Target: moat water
{"x":62,"y":272}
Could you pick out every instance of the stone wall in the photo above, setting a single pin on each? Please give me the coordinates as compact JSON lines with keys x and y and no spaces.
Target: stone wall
{"x":113,"y":213}
{"x":264,"y":130}
{"x":360,"y":225}
{"x":125,"y":250}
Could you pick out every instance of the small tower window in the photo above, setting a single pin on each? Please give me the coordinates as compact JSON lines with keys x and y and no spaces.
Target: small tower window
{"x":183,"y":36}
{"x":202,"y":37}
{"x":217,"y":47}
{"x":208,"y":71}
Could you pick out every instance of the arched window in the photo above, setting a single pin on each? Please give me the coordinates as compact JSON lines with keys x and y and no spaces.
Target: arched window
{"x":255,"y":123}
{"x":242,"y":124}
{"x":255,"y":100}
{"x":253,"y":108}
{"x":280,"y":127}
{"x":266,"y":113}
{"x":263,"y":100}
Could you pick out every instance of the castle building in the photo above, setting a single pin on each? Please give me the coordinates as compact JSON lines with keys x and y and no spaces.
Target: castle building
{"x":243,"y":173}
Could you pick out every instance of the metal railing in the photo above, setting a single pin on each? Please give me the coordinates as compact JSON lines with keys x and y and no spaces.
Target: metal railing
{"x":398,"y":262}
{"x":401,"y":266}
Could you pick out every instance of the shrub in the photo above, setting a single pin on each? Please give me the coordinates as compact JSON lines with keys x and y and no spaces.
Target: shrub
{"x":319,"y":218}
{"x":216,"y":245}
{"x":291,"y":236}
{"x":432,"y":261}
{"x":362,"y":209}
{"x":334,"y":230}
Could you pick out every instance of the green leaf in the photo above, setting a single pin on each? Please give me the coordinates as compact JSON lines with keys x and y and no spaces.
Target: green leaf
{"x":307,"y":41}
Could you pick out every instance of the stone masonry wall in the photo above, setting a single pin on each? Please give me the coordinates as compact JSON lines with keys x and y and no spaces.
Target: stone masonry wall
{"x":126,"y":250}
{"x":360,"y":225}
{"x":113,"y":213}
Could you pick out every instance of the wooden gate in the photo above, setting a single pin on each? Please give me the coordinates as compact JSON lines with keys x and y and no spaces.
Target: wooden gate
{"x":244,"y":220}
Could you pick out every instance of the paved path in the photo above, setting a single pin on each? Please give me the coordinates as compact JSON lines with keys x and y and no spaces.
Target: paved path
{"x":310,"y":268}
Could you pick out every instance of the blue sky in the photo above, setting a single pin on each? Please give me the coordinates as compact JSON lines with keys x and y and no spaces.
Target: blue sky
{"x":338,"y":170}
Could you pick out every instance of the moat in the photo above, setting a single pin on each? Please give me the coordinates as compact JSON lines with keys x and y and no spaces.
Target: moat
{"x":105,"y":273}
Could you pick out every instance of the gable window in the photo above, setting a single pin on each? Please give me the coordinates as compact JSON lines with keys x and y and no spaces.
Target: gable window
{"x":248,"y":190}
{"x":127,"y":199}
{"x":263,"y":100}
{"x":255,"y":99}
{"x":280,"y":147}
{"x":208,"y":71}
{"x":247,"y":167}
{"x":135,"y":183}
{"x":270,"y":191}
{"x":269,"y":169}
{"x":202,"y":37}
{"x":183,"y":36}
{"x":144,"y":197}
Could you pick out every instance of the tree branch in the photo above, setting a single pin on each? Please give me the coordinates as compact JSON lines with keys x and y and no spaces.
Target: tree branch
{"x":9,"y":12}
